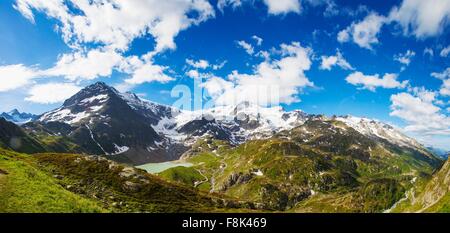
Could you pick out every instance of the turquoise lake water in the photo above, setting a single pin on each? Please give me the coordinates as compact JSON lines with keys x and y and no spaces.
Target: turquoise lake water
{"x":159,"y":167}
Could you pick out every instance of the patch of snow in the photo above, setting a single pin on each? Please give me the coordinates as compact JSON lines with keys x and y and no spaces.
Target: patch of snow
{"x":375,"y":128}
{"x":258,"y":173}
{"x":159,"y":144}
{"x":119,"y":149}
{"x":64,"y":115}
{"x":96,"y":108}
{"x":101,"y":98}
{"x":167,"y":126}
{"x":77,"y":117}
{"x":268,"y":119}
{"x":93,"y":139}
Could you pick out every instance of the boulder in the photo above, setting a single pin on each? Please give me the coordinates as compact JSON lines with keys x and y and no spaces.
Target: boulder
{"x":59,"y":177}
{"x":128,"y":172}
{"x":131,"y":186}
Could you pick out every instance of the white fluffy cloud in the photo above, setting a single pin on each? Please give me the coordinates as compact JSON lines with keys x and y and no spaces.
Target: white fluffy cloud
{"x":111,"y":25}
{"x":273,"y":81}
{"x":149,"y":73}
{"x":344,"y":35}
{"x":371,"y":82}
{"x":422,"y":18}
{"x":276,"y":7}
{"x":246,"y":46}
{"x":51,"y":92}
{"x":445,"y":51}
{"x":142,"y":71}
{"x":16,"y":76}
{"x":405,"y":58}
{"x":217,"y":86}
{"x":416,"y":17}
{"x":193,"y":74}
{"x":219,"y":65}
{"x":221,"y":4}
{"x":94,"y":64}
{"x":445,"y":77}
{"x":116,"y":23}
{"x":200,"y":64}
{"x":428,"y":51}
{"x":282,"y":7}
{"x":420,"y":113}
{"x":249,"y":48}
{"x":257,"y":39}
{"x":337,"y":60}
{"x":445,"y":88}
{"x":80,"y":66}
{"x":363,"y":33}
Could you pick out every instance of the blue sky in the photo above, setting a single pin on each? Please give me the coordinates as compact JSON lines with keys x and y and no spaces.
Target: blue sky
{"x":387,"y":60}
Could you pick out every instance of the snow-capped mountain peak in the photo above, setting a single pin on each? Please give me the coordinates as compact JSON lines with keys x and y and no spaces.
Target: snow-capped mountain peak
{"x":153,"y":111}
{"x":375,"y":128}
{"x":237,"y":123}
{"x":18,"y":117}
{"x":84,"y":105}
{"x":90,"y":103}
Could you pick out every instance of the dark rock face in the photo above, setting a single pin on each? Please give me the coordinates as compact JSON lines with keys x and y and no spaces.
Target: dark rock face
{"x":273,"y":198}
{"x":111,"y":126}
{"x":246,"y":122}
{"x":203,"y":126}
{"x":131,"y":186}
{"x":236,"y":179}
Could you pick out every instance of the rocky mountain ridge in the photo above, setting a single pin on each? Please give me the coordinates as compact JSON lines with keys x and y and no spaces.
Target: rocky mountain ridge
{"x":104,"y":121}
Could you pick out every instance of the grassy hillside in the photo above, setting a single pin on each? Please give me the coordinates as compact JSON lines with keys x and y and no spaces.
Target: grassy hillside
{"x":184,"y":175}
{"x":320,"y":166}
{"x":24,"y":188}
{"x":76,"y":183}
{"x":431,"y":195}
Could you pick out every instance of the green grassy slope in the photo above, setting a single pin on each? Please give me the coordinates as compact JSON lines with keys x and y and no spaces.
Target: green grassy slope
{"x":320,"y":166}
{"x":431,"y":195}
{"x":184,"y":175}
{"x":13,"y":137}
{"x":75,"y":183}
{"x":24,"y":188}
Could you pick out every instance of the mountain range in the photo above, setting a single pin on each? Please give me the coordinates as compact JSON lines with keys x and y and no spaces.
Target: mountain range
{"x":101,"y":120}
{"x":18,"y":117}
{"x":266,"y":157}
